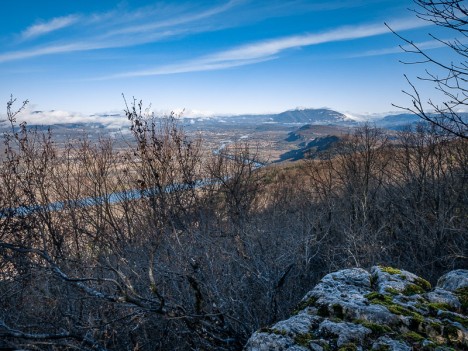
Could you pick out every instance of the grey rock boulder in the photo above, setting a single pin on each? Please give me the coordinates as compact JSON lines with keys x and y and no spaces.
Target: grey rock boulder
{"x":381,"y":309}
{"x":454,"y":280}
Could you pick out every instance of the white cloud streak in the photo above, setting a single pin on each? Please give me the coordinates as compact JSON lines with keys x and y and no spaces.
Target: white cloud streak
{"x":203,"y":64}
{"x":84,"y":46}
{"x":117,"y":29}
{"x":271,"y":49}
{"x":39,"y":29}
{"x":187,"y":18}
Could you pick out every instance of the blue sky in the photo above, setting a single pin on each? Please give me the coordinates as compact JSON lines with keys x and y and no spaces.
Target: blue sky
{"x":227,"y":56}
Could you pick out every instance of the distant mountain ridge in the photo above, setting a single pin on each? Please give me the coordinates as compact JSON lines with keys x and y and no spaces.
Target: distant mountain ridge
{"x":403,"y":120}
{"x":313,"y":116}
{"x":320,"y":116}
{"x":398,"y":121}
{"x":298,"y":116}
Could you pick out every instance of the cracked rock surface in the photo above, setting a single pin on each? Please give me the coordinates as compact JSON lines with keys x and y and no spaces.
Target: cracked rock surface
{"x":383,"y":309}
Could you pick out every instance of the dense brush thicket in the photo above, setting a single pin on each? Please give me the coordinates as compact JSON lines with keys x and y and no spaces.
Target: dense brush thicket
{"x":162,"y":246}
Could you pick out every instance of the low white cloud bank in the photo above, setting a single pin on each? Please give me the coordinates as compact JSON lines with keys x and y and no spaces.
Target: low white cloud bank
{"x":109,"y":119}
{"x":34,"y":117}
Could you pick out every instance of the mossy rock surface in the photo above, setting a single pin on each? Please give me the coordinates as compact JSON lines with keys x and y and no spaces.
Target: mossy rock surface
{"x":385,"y":308}
{"x":462,"y":294}
{"x":390,"y":270}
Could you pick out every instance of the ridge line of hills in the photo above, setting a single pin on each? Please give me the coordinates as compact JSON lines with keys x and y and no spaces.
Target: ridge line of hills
{"x":313,"y":116}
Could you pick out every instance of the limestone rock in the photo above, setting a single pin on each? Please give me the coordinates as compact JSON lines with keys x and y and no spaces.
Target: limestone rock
{"x":454,"y":280}
{"x":385,"y":343}
{"x":444,"y":297}
{"x":345,"y":333}
{"x":384,"y":309}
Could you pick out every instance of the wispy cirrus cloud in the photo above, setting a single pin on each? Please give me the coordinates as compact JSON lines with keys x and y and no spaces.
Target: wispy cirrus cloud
{"x":41,"y":51}
{"x":76,"y":46}
{"x":179,"y":20}
{"x":54,"y":24}
{"x":271,"y":49}
{"x":198,"y":65}
{"x":120,"y":28}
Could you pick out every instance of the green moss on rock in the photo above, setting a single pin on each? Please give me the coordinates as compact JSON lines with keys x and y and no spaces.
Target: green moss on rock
{"x":415,"y":321}
{"x":455,"y":318}
{"x":399,"y":310}
{"x":303,"y":339}
{"x":348,"y":347}
{"x":435,"y":307}
{"x":387,"y":301}
{"x":390,"y":270}
{"x":382,"y":348}
{"x":304,"y":304}
{"x":462,"y":294}
{"x":379,"y":299}
{"x":392,"y":291}
{"x":423,"y":283}
{"x":278,"y":332}
{"x":412,"y":289}
{"x":412,"y":336}
{"x":377,"y":329}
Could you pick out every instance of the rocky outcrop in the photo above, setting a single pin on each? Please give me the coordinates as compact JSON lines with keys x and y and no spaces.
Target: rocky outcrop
{"x":384,"y":309}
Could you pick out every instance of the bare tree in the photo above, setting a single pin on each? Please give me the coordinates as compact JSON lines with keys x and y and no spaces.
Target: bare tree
{"x":450,"y":76}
